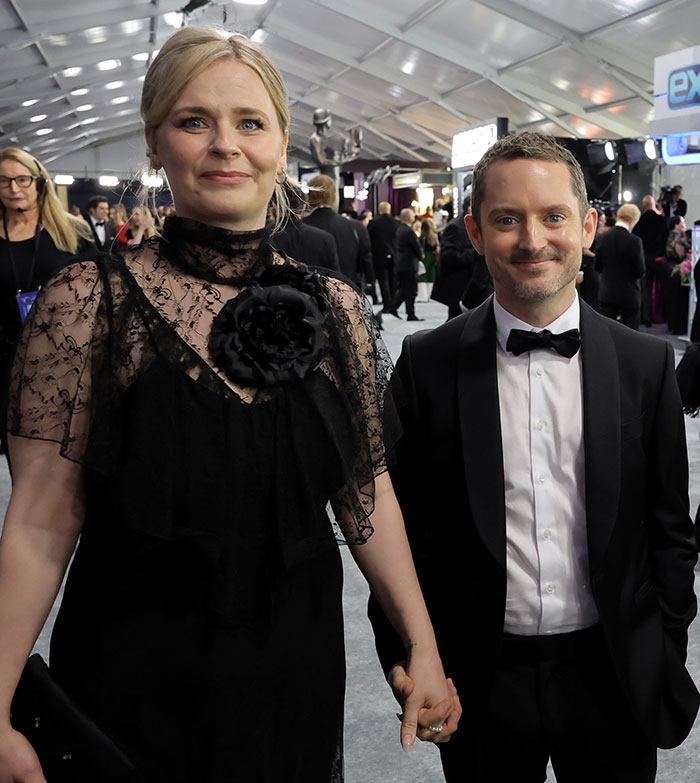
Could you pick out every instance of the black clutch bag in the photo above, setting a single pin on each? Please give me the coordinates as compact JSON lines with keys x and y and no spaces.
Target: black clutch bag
{"x":70,"y":747}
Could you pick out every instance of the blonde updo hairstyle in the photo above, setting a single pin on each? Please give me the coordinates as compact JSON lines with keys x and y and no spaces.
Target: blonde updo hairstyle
{"x":65,"y":229}
{"x":192,"y":50}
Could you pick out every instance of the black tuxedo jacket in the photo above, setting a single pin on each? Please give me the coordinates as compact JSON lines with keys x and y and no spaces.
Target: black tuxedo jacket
{"x":652,"y":229}
{"x":456,"y":264}
{"x":408,"y":250}
{"x":110,"y":235}
{"x":449,"y":481}
{"x":312,"y":246}
{"x":382,"y":235}
{"x":619,"y":257}
{"x":346,"y":241}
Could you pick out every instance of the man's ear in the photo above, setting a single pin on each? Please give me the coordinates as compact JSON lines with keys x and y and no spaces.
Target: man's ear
{"x":151,"y":152}
{"x":474,"y":233}
{"x":590,"y":223}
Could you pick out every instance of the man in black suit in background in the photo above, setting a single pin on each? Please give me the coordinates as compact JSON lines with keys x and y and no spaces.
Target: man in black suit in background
{"x":544,"y":490}
{"x":103,"y":230}
{"x":619,"y":259}
{"x":652,"y":229}
{"x":323,"y":195}
{"x":382,"y":235}
{"x":312,"y":246}
{"x":408,"y":254}
{"x":456,"y":264}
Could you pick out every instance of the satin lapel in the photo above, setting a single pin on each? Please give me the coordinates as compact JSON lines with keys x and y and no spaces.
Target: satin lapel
{"x":601,"y":432}
{"x":480,"y":423}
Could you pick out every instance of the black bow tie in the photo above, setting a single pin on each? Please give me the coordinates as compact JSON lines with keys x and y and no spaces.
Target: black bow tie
{"x":99,"y":222}
{"x":565,"y":343}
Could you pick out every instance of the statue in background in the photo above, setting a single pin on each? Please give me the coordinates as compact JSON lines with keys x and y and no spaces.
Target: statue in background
{"x":328,"y":159}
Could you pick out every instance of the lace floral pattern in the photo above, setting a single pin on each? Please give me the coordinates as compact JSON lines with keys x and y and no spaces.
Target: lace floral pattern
{"x":98,"y":325}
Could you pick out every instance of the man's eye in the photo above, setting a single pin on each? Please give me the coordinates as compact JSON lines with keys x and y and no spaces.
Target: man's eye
{"x":249,"y":125}
{"x":556,"y":218}
{"x":507,"y":221}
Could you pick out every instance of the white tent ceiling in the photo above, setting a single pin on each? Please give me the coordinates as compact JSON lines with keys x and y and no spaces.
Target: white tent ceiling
{"x":410,"y":72}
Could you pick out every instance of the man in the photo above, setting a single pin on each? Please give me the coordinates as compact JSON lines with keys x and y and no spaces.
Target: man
{"x":619,"y":258}
{"x":456,"y":263}
{"x":312,"y":246}
{"x":408,"y":254}
{"x":323,"y":195}
{"x":545,"y":495}
{"x":103,"y":230}
{"x":382,"y":234}
{"x":652,"y":229}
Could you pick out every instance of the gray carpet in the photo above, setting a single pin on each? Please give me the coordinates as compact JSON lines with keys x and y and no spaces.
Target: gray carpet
{"x":372,"y":750}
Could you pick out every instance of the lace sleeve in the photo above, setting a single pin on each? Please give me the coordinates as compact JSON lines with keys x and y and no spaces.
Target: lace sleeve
{"x":52,"y":375}
{"x":363,"y":367}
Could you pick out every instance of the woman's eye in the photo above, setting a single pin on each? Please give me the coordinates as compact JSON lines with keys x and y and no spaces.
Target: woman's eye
{"x":250,"y":125}
{"x":193,"y":123}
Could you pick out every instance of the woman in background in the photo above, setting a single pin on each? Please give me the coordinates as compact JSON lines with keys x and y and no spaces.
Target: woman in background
{"x":142,"y":226}
{"x":121,"y":221}
{"x":37,"y":238}
{"x":431,"y":253}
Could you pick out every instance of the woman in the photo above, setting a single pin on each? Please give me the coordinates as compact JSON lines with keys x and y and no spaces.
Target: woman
{"x":37,"y":238}
{"x":141,"y":226}
{"x":120,"y":219}
{"x":431,"y":252}
{"x":212,"y":399}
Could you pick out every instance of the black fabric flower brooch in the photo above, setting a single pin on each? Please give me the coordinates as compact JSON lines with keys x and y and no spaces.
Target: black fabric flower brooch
{"x":273,"y":331}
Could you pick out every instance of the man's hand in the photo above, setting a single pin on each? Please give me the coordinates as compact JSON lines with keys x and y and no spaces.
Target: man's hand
{"x":430,"y":723}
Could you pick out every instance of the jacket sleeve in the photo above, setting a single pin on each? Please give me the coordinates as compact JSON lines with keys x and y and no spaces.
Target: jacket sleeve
{"x":638,"y":256}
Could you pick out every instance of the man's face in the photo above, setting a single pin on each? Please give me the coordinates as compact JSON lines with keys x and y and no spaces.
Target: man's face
{"x":101,"y":211}
{"x":531,"y":231}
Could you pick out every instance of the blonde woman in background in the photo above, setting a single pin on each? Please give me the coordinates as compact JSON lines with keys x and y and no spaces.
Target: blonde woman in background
{"x":142,"y":226}
{"x":226,"y":395}
{"x":37,"y":238}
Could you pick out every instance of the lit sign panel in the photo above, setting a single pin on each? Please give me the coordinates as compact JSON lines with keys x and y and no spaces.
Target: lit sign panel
{"x":681,"y":149}
{"x":469,"y":145}
{"x":684,"y":87}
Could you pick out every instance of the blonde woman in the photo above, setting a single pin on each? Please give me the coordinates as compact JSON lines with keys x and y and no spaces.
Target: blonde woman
{"x":226,"y":395}
{"x":37,"y":238}
{"x":142,"y":226}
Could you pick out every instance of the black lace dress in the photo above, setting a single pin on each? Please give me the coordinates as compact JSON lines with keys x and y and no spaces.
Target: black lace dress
{"x":201,"y":626}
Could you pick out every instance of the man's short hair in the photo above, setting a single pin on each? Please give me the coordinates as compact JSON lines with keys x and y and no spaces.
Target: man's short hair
{"x":323,"y":192}
{"x":530,"y":146}
{"x":629,"y":213}
{"x":384,"y":208}
{"x":407,"y":214}
{"x":466,"y":203}
{"x":648,"y":202}
{"x":95,"y":201}
{"x":365,"y":213}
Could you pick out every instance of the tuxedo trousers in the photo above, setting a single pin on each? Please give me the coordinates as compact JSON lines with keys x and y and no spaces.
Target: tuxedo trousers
{"x":553,"y":697}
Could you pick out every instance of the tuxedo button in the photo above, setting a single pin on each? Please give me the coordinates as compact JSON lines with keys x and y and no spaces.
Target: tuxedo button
{"x":547,"y":533}
{"x":540,"y":425}
{"x":539,"y":371}
{"x":542,"y":478}
{"x":550,"y":588}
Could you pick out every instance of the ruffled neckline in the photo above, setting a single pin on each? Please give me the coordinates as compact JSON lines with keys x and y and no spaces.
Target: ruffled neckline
{"x":215,"y":254}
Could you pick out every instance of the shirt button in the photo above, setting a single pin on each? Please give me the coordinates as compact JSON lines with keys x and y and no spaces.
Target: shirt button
{"x":539,"y":371}
{"x":550,"y":588}
{"x":540,"y":425}
{"x":548,"y":534}
{"x":542,"y":478}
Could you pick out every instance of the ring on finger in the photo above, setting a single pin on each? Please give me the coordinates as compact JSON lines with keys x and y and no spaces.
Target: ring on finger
{"x":436,"y":728}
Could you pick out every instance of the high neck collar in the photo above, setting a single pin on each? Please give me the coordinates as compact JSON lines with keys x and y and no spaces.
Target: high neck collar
{"x":211,"y":253}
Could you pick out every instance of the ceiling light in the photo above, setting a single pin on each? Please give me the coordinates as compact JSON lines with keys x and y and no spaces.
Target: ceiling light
{"x":37,"y":118}
{"x":30,"y":102}
{"x":80,"y":91}
{"x":96,"y":35}
{"x":258,"y":36}
{"x":609,"y":150}
{"x":141,"y":57}
{"x":108,"y":182}
{"x":88,"y":120}
{"x":44,"y":131}
{"x":152,"y":181}
{"x":627,"y":195}
{"x":250,"y":2}
{"x":174,"y":18}
{"x":69,"y":73}
{"x":132,"y":26}
{"x":108,"y":65}
{"x":650,"y":149}
{"x":120,"y":99}
{"x":113,"y":85}
{"x":64,"y":179}
{"x":84,"y":107}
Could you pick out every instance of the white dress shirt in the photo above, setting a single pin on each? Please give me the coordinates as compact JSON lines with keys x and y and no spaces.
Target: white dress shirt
{"x":100,"y":230}
{"x":541,"y":408}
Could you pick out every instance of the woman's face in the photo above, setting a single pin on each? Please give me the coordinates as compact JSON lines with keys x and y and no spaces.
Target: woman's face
{"x":15,"y":197}
{"x":221,"y":146}
{"x":136,"y":217}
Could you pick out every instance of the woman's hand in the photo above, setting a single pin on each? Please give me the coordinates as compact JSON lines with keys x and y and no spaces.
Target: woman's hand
{"x":431,"y":706}
{"x":18,"y":761}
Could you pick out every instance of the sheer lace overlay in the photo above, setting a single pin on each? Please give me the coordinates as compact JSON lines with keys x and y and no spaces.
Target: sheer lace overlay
{"x":98,"y":326}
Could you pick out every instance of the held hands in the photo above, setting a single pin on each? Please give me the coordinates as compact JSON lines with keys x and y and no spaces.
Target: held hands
{"x":431,"y":706}
{"x":18,"y":761}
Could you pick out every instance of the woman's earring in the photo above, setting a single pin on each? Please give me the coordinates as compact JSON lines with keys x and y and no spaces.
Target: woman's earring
{"x":281,"y":178}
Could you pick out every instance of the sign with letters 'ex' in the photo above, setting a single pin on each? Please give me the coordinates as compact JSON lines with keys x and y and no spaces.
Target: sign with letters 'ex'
{"x":677,"y":94}
{"x":684,"y":87}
